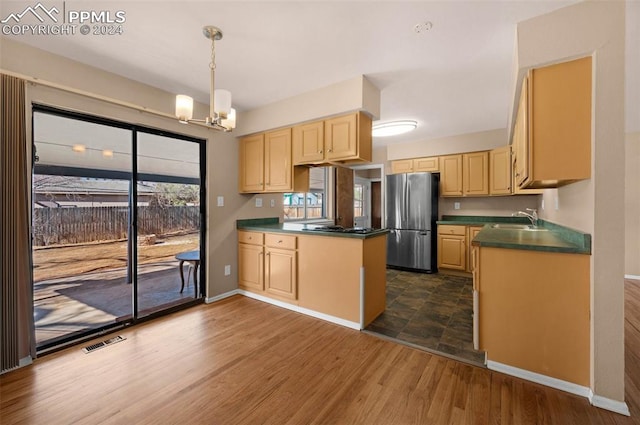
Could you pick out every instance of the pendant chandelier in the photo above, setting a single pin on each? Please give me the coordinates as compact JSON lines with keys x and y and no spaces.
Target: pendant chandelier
{"x":222,"y":116}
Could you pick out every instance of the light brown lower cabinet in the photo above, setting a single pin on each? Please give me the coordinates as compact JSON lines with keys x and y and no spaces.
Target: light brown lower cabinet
{"x":534,"y":311}
{"x":267,"y":264}
{"x":452,"y":247}
{"x":251,"y":261}
{"x":341,"y":277}
{"x":280,"y":268}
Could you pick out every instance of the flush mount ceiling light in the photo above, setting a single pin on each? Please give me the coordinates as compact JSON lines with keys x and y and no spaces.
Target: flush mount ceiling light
{"x":393,"y":128}
{"x":222,"y":116}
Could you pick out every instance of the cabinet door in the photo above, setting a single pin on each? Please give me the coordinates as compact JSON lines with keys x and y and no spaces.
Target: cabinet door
{"x":308,"y":143}
{"x":452,"y":247}
{"x":500,"y":171}
{"x":277,"y":162}
{"x":475,"y":173}
{"x":402,"y":166}
{"x":430,"y":165}
{"x":451,"y":175}
{"x":521,"y":159}
{"x":251,"y":165}
{"x":280,"y":272}
{"x":341,"y":137}
{"x":251,"y":267}
{"x":560,"y":111}
{"x":452,"y":252}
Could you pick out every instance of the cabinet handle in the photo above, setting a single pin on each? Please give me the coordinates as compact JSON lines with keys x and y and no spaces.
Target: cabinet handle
{"x":280,"y":241}
{"x":330,"y":150}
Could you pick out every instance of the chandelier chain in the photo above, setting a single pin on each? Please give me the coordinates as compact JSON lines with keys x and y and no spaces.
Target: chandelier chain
{"x":212,"y":64}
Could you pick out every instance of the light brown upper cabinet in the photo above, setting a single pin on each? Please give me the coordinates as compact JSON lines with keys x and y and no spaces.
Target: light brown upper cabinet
{"x":552,"y":132}
{"x":308,"y":143}
{"x":278,"y":166}
{"x":464,"y":175}
{"x":415,"y":165}
{"x":500,"y":171}
{"x":266,"y":165}
{"x":345,"y":138}
{"x":451,"y":175}
{"x":402,"y":166}
{"x":430,"y":164}
{"x":251,"y":177}
{"x":475,"y":174}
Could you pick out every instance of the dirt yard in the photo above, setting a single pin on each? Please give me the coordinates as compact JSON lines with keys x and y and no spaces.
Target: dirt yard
{"x":73,"y":260}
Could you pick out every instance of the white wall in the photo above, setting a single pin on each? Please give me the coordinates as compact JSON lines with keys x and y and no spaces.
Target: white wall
{"x":596,"y":205}
{"x":356,"y":94}
{"x":480,"y":141}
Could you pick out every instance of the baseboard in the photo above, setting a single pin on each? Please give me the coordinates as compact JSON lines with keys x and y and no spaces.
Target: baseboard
{"x":548,"y":381}
{"x":569,"y":387}
{"x":222,"y":296}
{"x":632,"y":277}
{"x":608,"y":404}
{"x":25,"y":361}
{"x":302,"y":310}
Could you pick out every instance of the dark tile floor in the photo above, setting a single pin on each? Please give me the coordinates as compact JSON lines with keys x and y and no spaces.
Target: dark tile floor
{"x":434,"y":311}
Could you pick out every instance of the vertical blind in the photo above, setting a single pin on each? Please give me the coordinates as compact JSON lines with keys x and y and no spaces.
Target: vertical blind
{"x":15,"y":305}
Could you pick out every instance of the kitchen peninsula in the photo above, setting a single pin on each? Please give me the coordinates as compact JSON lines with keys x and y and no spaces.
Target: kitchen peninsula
{"x":337,"y":276}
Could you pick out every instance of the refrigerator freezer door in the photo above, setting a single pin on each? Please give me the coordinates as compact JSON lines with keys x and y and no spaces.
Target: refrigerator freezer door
{"x":396,"y":195}
{"x":410,"y":249}
{"x":419,"y":202}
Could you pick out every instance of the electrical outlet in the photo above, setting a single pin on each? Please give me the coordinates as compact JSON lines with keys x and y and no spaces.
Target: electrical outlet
{"x":273,"y":203}
{"x":227,"y":270}
{"x":221,"y":201}
{"x":542,"y":205}
{"x":456,"y":205}
{"x":258,"y":202}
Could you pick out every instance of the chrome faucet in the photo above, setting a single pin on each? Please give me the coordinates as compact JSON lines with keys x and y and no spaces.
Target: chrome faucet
{"x":533,"y":217}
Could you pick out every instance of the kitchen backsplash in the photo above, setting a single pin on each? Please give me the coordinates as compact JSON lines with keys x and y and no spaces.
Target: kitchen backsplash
{"x":494,"y":206}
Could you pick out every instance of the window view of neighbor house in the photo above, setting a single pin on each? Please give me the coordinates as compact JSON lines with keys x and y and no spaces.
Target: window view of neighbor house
{"x":309,"y":205}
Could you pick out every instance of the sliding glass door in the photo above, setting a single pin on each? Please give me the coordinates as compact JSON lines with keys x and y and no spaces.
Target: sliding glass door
{"x":168,"y":221}
{"x":115,"y":208}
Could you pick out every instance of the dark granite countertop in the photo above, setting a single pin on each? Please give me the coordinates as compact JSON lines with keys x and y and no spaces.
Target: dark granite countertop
{"x":549,"y":237}
{"x":473,"y":220}
{"x":273,"y":226}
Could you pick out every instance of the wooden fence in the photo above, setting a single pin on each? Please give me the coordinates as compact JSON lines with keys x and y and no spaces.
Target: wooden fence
{"x":53,"y":226}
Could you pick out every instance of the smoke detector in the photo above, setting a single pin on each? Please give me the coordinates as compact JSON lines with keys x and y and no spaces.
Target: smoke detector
{"x":423,"y":27}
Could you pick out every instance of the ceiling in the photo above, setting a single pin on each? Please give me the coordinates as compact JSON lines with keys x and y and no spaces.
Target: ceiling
{"x":453,"y":79}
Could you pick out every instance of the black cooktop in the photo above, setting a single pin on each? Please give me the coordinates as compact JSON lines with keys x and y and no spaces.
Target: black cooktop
{"x":340,"y":229}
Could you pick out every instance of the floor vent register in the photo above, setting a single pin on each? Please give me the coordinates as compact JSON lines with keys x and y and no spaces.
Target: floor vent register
{"x":93,"y":347}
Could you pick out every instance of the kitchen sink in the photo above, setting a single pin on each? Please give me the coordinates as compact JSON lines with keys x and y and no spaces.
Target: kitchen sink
{"x":512,"y":226}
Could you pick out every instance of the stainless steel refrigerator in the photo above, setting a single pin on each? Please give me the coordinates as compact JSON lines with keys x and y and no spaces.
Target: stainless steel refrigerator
{"x":412,"y":211}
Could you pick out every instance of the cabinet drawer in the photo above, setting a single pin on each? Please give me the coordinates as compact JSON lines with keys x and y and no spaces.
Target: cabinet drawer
{"x":446,"y":229}
{"x":278,"y":240}
{"x":252,"y":238}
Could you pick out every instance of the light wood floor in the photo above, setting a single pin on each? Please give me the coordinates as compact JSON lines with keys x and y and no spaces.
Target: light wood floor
{"x":241,"y":361}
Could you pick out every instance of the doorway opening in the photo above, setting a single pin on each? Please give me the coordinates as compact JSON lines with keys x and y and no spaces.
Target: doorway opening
{"x":368,"y":199}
